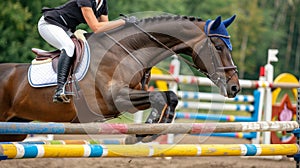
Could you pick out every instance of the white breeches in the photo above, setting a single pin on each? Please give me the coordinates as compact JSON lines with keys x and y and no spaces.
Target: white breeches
{"x":56,"y":36}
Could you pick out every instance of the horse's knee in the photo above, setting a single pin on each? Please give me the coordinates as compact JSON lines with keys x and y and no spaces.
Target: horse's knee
{"x":172,"y":98}
{"x":132,"y":100}
{"x":122,"y":104}
{"x":168,"y":97}
{"x":164,"y":98}
{"x":158,"y":98}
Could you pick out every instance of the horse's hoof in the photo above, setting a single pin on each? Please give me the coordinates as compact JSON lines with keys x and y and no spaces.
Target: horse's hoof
{"x":146,"y":138}
{"x":131,"y":140}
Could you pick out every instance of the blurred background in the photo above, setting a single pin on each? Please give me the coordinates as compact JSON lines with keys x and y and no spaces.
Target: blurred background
{"x":260,"y":25}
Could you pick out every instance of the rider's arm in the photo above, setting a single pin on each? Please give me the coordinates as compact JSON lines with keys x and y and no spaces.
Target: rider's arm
{"x":103,"y":18}
{"x":101,"y":26}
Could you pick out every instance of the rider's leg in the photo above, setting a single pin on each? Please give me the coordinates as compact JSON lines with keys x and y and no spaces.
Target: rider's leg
{"x":60,"y":39}
{"x":63,"y":68}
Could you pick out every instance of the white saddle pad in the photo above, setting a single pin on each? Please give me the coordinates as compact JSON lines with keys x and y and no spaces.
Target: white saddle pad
{"x":43,"y":75}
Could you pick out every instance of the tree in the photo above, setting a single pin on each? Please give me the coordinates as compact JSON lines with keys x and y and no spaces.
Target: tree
{"x":12,"y":28}
{"x":260,"y":25}
{"x":137,"y":6}
{"x":286,"y":31}
{"x":250,"y":31}
{"x":19,"y":31}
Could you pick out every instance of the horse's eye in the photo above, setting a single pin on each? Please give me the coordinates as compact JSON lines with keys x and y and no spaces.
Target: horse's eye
{"x":218,"y":48}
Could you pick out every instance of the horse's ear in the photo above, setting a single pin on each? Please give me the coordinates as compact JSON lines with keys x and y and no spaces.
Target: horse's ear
{"x":228,"y":21}
{"x":216,"y":23}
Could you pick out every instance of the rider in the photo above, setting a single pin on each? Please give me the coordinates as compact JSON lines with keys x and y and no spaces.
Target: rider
{"x":57,"y":25}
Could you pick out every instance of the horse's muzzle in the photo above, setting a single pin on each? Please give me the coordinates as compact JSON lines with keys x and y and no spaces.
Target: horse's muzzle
{"x":229,"y":90}
{"x":233,"y":90}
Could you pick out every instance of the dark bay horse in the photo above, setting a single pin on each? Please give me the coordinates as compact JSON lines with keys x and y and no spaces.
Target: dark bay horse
{"x":117,"y":77}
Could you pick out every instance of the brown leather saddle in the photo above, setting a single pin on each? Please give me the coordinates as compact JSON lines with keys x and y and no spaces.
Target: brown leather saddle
{"x":42,"y":55}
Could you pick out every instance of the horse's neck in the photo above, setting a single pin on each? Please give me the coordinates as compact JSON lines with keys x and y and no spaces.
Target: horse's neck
{"x":174,"y":34}
{"x":169,"y":37}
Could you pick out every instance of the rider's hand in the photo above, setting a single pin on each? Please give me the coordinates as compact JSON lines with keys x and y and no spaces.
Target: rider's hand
{"x":131,"y":20}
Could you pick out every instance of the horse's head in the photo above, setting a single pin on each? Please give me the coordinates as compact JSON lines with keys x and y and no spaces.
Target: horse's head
{"x":212,"y":55}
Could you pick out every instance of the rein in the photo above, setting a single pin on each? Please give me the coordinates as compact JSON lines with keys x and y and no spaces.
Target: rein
{"x":166,"y":47}
{"x":125,"y":49}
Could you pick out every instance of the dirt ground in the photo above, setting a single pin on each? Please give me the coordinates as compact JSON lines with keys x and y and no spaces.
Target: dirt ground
{"x":174,"y":162}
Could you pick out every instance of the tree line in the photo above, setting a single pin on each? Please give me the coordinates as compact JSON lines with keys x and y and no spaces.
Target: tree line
{"x":260,"y":25}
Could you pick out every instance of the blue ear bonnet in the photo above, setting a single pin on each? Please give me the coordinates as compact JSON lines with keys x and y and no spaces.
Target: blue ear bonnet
{"x":220,"y":31}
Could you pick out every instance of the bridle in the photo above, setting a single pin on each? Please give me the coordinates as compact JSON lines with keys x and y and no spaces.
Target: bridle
{"x":214,"y":76}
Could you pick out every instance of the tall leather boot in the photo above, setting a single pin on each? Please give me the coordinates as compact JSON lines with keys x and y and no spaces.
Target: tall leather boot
{"x":64,"y":64}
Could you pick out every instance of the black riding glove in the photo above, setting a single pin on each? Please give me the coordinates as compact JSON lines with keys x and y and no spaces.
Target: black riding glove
{"x":130,"y":19}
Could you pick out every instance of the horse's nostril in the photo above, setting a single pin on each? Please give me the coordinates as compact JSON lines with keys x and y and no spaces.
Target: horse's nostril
{"x":234,"y":88}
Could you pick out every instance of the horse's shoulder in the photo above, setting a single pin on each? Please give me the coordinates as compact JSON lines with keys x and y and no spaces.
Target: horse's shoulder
{"x":13,"y":65}
{"x":13,"y":70}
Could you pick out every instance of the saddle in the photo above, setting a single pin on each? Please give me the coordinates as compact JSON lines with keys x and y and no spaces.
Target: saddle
{"x":43,"y":56}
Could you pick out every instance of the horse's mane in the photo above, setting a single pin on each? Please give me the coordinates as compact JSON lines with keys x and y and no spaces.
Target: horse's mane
{"x":171,"y":17}
{"x":152,"y":19}
{"x":157,"y":19}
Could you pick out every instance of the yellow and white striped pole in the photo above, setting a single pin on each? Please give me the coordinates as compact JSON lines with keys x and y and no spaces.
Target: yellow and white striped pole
{"x":14,"y":151}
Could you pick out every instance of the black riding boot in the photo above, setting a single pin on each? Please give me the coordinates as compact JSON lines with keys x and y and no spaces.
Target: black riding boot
{"x":63,"y":68}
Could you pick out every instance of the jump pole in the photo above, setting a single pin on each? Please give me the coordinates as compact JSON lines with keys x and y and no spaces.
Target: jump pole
{"x":175,"y":128}
{"x":72,"y":142}
{"x":18,"y":151}
{"x":202,"y":81}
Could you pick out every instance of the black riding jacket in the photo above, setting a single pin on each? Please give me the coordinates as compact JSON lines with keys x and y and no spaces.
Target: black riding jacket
{"x":69,"y":15}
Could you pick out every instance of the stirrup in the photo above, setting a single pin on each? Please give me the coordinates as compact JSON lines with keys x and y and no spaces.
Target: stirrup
{"x":62,"y":97}
{"x":69,"y":91}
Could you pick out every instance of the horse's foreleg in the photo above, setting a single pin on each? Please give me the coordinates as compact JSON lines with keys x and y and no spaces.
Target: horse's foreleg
{"x":163,"y":111}
{"x":163,"y":106}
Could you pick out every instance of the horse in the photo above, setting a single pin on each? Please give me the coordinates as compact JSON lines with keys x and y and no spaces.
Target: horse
{"x":118,"y":75}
